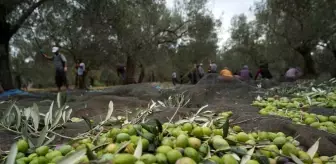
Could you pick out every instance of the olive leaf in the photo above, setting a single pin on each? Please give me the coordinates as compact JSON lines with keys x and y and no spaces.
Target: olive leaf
{"x":309,"y":100}
{"x":57,"y":117}
{"x":90,"y":154}
{"x":209,"y":153}
{"x":42,"y":136}
{"x":296,"y":159}
{"x":149,"y":128}
{"x":149,"y":136}
{"x":61,"y":99}
{"x":179,"y":122}
{"x":50,"y":140}
{"x":206,"y":124}
{"x":18,"y":117}
{"x":10,"y":120}
{"x":67,"y":115}
{"x":7,"y":112}
{"x":313,"y":149}
{"x":262,"y":159}
{"x":100,"y":146}
{"x":88,"y":122}
{"x":208,"y":161}
{"x":110,"y":111}
{"x":248,"y":156}
{"x":35,"y":114}
{"x":12,"y":154}
{"x":122,"y":147}
{"x":161,"y":103}
{"x":49,"y":115}
{"x":200,"y":119}
{"x":138,"y":150}
{"x":25,"y":135}
{"x":46,"y":119}
{"x":159,"y":125}
{"x":226,"y":128}
{"x":58,"y":100}
{"x":51,"y":111}
{"x":235,"y":156}
{"x":203,"y":107}
{"x":73,"y":157}
{"x":26,"y":113}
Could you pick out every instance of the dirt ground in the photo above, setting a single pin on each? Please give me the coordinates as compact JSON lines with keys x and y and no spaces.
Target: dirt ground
{"x":221,"y":96}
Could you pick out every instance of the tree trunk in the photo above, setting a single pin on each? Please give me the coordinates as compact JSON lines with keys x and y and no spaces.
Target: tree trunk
{"x":153,"y":77}
{"x":309,"y":69}
{"x":334,"y":53}
{"x":6,"y":32}
{"x":333,"y":73}
{"x":130,"y":70}
{"x":142,"y":74}
{"x":6,"y":79}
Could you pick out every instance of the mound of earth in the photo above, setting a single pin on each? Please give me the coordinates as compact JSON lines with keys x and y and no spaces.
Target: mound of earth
{"x":235,"y":96}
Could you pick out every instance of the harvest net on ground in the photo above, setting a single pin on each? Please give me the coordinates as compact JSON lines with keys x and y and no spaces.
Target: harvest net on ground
{"x":285,"y":131}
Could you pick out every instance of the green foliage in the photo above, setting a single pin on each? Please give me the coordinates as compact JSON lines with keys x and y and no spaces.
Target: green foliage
{"x":104,"y":33}
{"x":37,"y":128}
{"x":110,"y":77}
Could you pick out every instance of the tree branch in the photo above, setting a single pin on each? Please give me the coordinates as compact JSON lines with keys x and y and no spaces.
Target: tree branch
{"x":289,"y":42}
{"x":173,"y":31}
{"x":24,"y":16}
{"x":174,"y":39}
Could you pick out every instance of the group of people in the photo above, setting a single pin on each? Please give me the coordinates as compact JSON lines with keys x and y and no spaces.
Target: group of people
{"x":291,"y":74}
{"x":196,"y":73}
{"x":244,"y":74}
{"x":61,"y":69}
{"x":194,"y":76}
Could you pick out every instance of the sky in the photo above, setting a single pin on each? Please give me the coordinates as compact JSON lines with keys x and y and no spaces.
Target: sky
{"x":225,"y":10}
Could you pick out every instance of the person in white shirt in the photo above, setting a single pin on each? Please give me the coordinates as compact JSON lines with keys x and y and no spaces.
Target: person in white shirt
{"x":80,"y":73}
{"x":174,"y":78}
{"x":213,"y":67}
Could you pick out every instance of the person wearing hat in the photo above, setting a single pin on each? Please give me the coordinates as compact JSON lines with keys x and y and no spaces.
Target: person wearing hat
{"x":245,"y":74}
{"x":200,"y":70}
{"x":60,"y":64}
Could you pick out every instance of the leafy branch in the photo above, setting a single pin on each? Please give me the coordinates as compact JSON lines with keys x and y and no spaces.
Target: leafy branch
{"x":30,"y":123}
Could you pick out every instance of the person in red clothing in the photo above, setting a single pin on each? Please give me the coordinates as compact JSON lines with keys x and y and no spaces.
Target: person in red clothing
{"x":264,"y":72}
